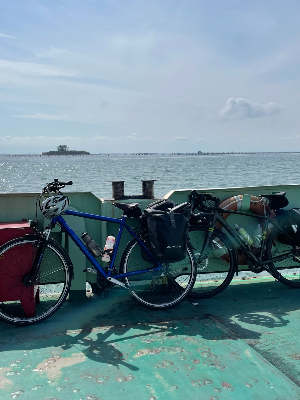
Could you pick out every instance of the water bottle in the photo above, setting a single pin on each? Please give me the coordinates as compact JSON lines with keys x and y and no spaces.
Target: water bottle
{"x":218,"y":247}
{"x":244,"y":235}
{"x":91,"y":244}
{"x":110,"y":242}
{"x":109,"y":245}
{"x":105,"y":256}
{"x":257,"y":236}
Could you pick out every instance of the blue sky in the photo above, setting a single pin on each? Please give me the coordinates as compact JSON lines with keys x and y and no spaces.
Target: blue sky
{"x":149,"y":76}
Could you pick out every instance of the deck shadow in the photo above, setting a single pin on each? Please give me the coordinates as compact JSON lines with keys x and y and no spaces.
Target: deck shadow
{"x":241,"y":308}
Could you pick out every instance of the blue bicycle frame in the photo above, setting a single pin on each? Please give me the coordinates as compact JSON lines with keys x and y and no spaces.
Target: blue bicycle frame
{"x":66,"y":228}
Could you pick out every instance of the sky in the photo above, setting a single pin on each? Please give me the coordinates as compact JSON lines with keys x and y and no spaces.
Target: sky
{"x":111,"y":76}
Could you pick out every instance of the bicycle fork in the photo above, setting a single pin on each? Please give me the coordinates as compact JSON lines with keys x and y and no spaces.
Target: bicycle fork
{"x":29,"y":279}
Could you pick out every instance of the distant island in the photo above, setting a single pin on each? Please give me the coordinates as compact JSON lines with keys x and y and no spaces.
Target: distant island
{"x":62,"y":150}
{"x":196,"y":154}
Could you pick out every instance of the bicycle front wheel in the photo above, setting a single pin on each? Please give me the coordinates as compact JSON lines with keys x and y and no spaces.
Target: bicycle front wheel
{"x":22,"y":304}
{"x":280,"y":244}
{"x":157,"y":289}
{"x":215,"y":267}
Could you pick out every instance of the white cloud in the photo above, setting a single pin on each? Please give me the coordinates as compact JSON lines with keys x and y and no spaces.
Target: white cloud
{"x":34,"y":69}
{"x":243,"y":109}
{"x":90,"y":142}
{"x":50,"y":117}
{"x":39,"y":143}
{"x":52,"y":53}
{"x":101,"y":138}
{"x":6,"y":36}
{"x":180,"y":138}
{"x":135,"y":137}
{"x":90,"y":139}
{"x":5,"y":137}
{"x":31,"y":139}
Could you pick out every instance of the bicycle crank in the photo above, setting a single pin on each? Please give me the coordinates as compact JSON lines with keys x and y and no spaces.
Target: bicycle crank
{"x":254,"y":268}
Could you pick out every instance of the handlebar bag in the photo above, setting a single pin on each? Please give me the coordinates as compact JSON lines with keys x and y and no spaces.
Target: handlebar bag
{"x":167,"y":232}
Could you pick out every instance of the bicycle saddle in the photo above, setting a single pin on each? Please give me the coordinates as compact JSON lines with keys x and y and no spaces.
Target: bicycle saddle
{"x":131,"y":210}
{"x":277,"y":200}
{"x":274,"y":196}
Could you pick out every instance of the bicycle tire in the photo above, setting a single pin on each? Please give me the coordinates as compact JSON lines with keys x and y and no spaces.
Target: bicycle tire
{"x":215,"y":271}
{"x":27,"y":305}
{"x":157,"y":290}
{"x":287,"y":271}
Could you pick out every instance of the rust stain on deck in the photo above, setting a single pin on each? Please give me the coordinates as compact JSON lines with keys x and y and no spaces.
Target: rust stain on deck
{"x":52,"y":366}
{"x":169,"y":350}
{"x":295,"y":356}
{"x":4,"y":381}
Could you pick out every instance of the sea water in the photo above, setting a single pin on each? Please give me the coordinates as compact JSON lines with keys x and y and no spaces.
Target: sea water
{"x":93,"y":173}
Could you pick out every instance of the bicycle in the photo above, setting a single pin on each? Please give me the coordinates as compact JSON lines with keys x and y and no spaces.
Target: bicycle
{"x":216,"y":256}
{"x":43,"y":270}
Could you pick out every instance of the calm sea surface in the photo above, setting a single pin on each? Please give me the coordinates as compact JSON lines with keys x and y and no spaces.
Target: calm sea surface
{"x":92,"y":173}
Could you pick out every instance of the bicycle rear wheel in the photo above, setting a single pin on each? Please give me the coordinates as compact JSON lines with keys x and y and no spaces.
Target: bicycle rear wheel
{"x":28,"y":305}
{"x":215,"y":268}
{"x":157,"y":289}
{"x":281,"y":244}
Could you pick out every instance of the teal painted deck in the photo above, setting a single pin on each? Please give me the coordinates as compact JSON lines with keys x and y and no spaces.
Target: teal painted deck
{"x":242,"y":344}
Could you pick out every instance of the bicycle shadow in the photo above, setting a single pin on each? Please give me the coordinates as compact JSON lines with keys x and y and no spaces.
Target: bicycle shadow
{"x":263,"y":320}
{"x":98,"y":325}
{"x":246,"y":309}
{"x":104,"y":348}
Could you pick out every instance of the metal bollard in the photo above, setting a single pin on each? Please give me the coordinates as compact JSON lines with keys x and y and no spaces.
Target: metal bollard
{"x":148,"y":188}
{"x":117,"y":189}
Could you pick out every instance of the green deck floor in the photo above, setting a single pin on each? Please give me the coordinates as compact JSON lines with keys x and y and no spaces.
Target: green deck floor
{"x":243,"y":344}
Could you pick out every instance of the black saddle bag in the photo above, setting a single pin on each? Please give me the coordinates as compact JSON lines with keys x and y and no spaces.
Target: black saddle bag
{"x":166,"y":231}
{"x":290,"y":223}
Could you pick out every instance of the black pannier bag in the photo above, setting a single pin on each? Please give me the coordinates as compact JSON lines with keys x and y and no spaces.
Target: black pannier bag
{"x":166,"y":230}
{"x":161,"y":205}
{"x":290,"y":223}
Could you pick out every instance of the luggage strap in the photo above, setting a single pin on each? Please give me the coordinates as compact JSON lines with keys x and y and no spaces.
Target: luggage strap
{"x":246,"y":202}
{"x":172,"y":218}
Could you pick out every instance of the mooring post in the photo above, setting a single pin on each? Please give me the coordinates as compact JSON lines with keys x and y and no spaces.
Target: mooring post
{"x":117,"y":189}
{"x":148,"y":188}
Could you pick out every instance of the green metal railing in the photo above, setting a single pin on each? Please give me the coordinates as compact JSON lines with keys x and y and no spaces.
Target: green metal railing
{"x":17,"y":206}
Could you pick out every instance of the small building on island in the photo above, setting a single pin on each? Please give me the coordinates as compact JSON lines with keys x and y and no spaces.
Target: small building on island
{"x":63,"y":150}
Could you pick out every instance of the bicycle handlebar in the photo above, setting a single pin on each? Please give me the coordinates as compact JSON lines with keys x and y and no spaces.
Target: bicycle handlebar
{"x":55,"y":186}
{"x":197,"y":201}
